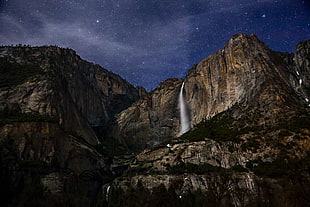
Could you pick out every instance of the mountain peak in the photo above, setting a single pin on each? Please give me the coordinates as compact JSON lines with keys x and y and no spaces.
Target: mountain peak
{"x":250,"y":117}
{"x":244,"y":73}
{"x":244,"y":36}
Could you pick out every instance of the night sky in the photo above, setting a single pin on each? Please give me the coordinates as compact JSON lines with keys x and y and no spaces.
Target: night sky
{"x":148,"y":41}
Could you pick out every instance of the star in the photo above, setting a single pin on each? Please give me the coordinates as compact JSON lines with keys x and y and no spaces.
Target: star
{"x":168,"y":36}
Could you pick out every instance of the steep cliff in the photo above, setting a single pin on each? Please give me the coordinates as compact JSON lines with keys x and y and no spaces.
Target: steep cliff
{"x":250,"y":139}
{"x":52,"y":104}
{"x":80,"y":95}
{"x":152,"y":119}
{"x":245,"y":72}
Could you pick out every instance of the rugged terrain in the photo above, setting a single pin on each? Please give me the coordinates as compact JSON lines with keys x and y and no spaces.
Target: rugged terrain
{"x":245,"y":73}
{"x":250,"y":138}
{"x":54,"y":106}
{"x":69,"y":127}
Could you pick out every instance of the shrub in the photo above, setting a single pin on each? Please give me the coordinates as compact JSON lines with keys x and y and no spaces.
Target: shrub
{"x":193,"y":168}
{"x":14,"y":74}
{"x":281,"y":167}
{"x":238,"y":168}
{"x":218,"y":128}
{"x":7,"y":117}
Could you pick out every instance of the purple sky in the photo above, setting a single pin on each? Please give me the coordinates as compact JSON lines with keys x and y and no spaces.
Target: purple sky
{"x":148,"y":41}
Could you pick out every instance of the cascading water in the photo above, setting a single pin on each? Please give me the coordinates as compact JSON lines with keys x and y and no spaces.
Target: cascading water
{"x":185,"y":125}
{"x":107,"y":193}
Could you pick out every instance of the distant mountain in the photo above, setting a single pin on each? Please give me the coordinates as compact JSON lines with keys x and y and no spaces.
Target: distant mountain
{"x":75,"y":134}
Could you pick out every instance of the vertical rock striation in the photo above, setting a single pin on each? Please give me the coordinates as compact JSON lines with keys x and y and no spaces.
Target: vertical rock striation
{"x":80,"y":95}
{"x":152,"y":119}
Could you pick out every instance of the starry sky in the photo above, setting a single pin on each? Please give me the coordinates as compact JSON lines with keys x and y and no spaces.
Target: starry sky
{"x":148,"y":41}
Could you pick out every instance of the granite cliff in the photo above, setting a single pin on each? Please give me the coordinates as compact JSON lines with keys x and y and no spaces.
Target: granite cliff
{"x":245,"y":73}
{"x":54,"y":107}
{"x":152,"y":119}
{"x":250,"y":138}
{"x":69,"y":128}
{"x":68,"y":88}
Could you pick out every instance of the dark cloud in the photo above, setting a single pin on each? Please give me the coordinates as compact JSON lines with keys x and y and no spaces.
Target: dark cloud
{"x":149,"y":41}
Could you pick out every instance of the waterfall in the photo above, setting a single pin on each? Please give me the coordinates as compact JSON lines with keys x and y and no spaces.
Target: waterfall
{"x":183,"y":112}
{"x":107,"y":193}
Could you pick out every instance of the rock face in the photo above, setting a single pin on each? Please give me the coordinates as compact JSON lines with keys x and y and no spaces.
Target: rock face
{"x":39,"y":160}
{"x":244,"y":72}
{"x":250,"y":138}
{"x":302,"y":65}
{"x":80,"y":95}
{"x":248,"y":145}
{"x":51,"y":102}
{"x":152,"y":119}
